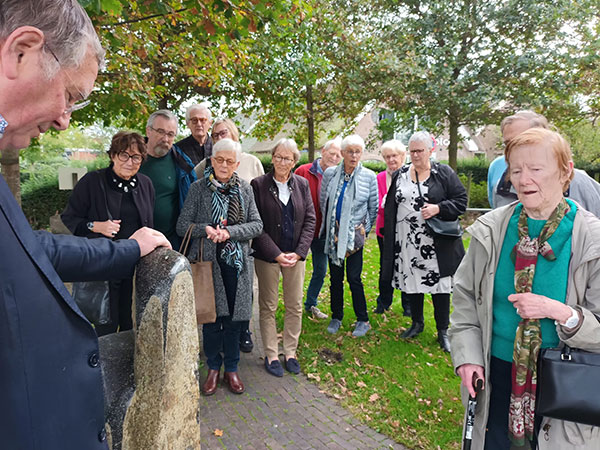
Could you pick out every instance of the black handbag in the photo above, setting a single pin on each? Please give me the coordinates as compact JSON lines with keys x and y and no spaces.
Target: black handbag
{"x":567,"y":385}
{"x":93,"y":299}
{"x":447,"y":229}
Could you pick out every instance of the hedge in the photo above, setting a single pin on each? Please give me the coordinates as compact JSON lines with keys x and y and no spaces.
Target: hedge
{"x":41,"y":198}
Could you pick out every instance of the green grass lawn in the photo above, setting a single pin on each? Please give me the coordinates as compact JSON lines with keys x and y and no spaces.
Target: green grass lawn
{"x":406,"y":389}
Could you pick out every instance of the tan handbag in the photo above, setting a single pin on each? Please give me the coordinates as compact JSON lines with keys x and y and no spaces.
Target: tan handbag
{"x":202,"y":276}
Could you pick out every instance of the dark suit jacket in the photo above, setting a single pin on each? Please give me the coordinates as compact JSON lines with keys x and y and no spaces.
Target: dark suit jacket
{"x":50,"y":380}
{"x":266,"y":195}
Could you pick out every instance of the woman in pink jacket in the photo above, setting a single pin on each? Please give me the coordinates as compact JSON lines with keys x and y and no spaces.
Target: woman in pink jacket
{"x":394,"y":154}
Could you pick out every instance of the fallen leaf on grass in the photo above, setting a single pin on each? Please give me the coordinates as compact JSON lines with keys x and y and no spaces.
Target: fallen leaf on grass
{"x":373,"y":397}
{"x":313,"y":376}
{"x":361,"y":384}
{"x":218,"y":432}
{"x":357,"y":362}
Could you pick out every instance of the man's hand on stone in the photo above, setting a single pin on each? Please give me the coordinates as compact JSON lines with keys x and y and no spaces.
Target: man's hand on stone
{"x":148,"y":239}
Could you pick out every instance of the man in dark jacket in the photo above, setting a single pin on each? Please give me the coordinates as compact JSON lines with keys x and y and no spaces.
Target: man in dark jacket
{"x":50,"y":379}
{"x":170,"y":170}
{"x":198,"y":145}
{"x":330,"y":156}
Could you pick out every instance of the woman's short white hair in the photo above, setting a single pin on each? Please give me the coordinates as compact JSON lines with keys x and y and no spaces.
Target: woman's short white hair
{"x":228,"y":145}
{"x":422,"y":136}
{"x":353,"y":140}
{"x":287,"y":144}
{"x":393,"y":145}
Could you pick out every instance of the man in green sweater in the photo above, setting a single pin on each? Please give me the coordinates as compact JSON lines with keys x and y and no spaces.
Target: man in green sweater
{"x":170,"y":170}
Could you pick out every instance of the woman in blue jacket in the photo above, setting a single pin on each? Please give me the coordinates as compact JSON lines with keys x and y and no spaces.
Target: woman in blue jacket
{"x":349,"y":204}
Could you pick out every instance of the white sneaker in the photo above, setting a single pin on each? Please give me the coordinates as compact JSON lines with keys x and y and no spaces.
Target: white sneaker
{"x":317,"y":313}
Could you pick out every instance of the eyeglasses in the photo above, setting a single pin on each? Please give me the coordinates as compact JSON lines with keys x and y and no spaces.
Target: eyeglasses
{"x":353,"y":152}
{"x":281,"y":159}
{"x":162,"y":132}
{"x":220,"y":160}
{"x":220,"y":134}
{"x":124,"y":156}
{"x":417,"y":151}
{"x":75,"y":106}
{"x":195,"y":120}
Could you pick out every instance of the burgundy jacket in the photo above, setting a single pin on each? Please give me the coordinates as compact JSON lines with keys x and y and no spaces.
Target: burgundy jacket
{"x":266,"y":194}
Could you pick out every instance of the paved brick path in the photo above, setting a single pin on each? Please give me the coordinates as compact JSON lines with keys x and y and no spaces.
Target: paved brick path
{"x":278,"y":413}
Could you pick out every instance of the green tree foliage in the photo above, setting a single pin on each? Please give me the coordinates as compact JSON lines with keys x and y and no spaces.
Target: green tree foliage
{"x":468,"y":62}
{"x":162,"y":53}
{"x":299,"y":75}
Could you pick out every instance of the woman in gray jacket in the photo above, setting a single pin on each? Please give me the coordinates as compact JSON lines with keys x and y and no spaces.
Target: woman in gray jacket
{"x":222,"y":207}
{"x":349,"y":203}
{"x":528,"y":281}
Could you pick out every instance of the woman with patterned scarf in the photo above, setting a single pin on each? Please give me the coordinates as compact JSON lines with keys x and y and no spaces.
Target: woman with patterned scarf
{"x":528,"y":281}
{"x":349,"y":205}
{"x":222,"y":207}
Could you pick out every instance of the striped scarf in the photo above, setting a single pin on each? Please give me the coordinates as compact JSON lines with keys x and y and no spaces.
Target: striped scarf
{"x":528,"y":339}
{"x":227,"y":209}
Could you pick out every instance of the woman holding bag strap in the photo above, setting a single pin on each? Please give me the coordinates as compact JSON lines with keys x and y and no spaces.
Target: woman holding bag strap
{"x":416,"y":261}
{"x":222,"y":206}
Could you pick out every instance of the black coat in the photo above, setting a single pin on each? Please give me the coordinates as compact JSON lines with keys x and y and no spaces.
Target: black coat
{"x":88,"y":204}
{"x":444,"y":190}
{"x":266,"y":194}
{"x":51,"y":388}
{"x":192,"y":148}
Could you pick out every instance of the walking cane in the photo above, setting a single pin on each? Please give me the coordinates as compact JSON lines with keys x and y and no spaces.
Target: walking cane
{"x":478,"y":384}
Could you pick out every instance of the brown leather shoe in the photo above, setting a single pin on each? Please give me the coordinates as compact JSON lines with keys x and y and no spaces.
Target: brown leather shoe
{"x":210,"y":385}
{"x":233,"y":381}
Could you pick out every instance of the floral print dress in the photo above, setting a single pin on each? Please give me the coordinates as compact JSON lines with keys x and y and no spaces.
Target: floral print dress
{"x":415,"y":264}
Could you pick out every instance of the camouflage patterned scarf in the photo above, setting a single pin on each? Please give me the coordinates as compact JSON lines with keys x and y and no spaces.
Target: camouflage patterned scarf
{"x":528,"y":339}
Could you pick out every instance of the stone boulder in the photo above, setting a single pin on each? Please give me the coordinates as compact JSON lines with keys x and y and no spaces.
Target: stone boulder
{"x":151,"y":372}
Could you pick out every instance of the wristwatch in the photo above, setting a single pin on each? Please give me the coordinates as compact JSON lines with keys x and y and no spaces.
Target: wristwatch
{"x":571,"y":321}
{"x":90,"y":226}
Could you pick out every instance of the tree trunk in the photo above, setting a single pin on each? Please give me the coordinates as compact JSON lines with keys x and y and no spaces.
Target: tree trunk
{"x":310,"y":123}
{"x":11,"y":172}
{"x":453,"y":146}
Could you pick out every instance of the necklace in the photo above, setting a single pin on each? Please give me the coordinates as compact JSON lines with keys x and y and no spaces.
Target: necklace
{"x":347,"y":176}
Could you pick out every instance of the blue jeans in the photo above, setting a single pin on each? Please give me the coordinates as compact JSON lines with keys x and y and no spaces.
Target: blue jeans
{"x":319,"y":260}
{"x":224,"y":333}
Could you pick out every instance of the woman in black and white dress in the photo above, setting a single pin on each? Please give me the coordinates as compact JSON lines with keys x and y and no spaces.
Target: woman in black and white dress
{"x":416,"y":261}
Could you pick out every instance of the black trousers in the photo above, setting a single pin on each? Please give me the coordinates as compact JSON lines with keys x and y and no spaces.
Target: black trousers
{"x":353,"y":264}
{"x":441,"y":309}
{"x":496,"y":434}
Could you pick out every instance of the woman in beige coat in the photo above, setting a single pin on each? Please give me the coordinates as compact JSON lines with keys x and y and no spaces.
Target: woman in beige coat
{"x":556,"y":301}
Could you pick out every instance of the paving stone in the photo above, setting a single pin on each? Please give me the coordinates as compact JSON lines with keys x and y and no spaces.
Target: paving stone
{"x":280,"y":413}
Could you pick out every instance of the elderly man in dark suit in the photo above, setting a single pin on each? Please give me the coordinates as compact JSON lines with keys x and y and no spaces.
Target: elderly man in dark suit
{"x":50,"y":380}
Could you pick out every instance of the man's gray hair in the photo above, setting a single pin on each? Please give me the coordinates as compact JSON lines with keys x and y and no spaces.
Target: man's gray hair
{"x":535,"y":120}
{"x":228,"y":145}
{"x":337,"y":142}
{"x":162,"y":113}
{"x":352,"y":140}
{"x":68,"y":31}
{"x":423,"y":137}
{"x":199,"y":107}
